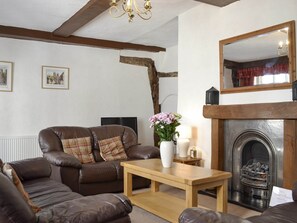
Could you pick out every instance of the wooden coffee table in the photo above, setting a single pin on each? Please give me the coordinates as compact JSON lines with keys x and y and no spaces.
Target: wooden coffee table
{"x":186,"y":177}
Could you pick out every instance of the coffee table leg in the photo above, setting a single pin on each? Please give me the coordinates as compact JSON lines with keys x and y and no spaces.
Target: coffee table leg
{"x":222,"y":197}
{"x":191,"y":196}
{"x":127,"y":183}
{"x":154,"y":186}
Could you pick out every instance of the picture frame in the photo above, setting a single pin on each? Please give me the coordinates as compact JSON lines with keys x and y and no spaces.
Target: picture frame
{"x":55,"y":77}
{"x":6,"y":75}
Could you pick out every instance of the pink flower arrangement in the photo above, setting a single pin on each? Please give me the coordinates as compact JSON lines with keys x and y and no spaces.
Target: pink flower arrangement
{"x":165,"y":124}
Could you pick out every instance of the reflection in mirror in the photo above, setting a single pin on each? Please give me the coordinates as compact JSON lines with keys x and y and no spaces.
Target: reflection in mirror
{"x":261,"y":60}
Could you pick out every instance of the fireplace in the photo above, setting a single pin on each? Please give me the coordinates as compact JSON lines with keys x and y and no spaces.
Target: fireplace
{"x":257,"y":144}
{"x":255,"y":150}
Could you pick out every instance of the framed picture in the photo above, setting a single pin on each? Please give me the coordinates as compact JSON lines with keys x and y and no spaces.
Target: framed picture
{"x":6,"y":70}
{"x":55,"y":77}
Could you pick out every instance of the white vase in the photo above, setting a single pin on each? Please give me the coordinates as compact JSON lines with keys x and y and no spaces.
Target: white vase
{"x":166,"y":152}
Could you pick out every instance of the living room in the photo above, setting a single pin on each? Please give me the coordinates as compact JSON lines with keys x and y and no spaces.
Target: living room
{"x":99,"y":85}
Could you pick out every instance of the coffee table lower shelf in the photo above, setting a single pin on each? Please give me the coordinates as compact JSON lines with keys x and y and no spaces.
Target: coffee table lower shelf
{"x":161,"y":204}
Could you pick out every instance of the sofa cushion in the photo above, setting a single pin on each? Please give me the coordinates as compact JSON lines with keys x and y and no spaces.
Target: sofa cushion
{"x":200,"y":215}
{"x":80,"y":148}
{"x":46,"y":192}
{"x":282,"y":213}
{"x":128,"y":136}
{"x":13,"y":207}
{"x":99,"y":172}
{"x":102,"y":208}
{"x":112,"y":149}
{"x":11,"y":174}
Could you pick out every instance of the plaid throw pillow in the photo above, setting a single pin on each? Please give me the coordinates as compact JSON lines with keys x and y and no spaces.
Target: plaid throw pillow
{"x":79,"y":148}
{"x":11,"y":174}
{"x":112,"y":149}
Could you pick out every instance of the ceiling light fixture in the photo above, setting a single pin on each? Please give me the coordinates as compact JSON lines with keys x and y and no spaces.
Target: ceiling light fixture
{"x":283,"y":48}
{"x":130,"y":7}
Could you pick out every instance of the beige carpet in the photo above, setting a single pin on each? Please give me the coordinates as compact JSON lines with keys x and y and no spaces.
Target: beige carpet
{"x":139,"y":215}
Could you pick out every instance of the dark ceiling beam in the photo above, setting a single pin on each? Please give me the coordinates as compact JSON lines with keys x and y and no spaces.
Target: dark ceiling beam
{"x":91,"y":10}
{"x":29,"y":34}
{"x":219,"y":3}
{"x":168,"y":74}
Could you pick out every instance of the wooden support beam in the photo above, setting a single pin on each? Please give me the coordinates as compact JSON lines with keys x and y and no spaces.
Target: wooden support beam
{"x":87,"y":13}
{"x":152,"y":74}
{"x":29,"y":34}
{"x":170,"y":74}
{"x":145,"y":62}
{"x":153,"y":78}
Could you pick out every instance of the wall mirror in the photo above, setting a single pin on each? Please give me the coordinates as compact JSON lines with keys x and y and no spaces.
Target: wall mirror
{"x":261,"y":60}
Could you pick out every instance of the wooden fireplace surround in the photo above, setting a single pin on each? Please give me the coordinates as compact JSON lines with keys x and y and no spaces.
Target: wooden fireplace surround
{"x":286,"y":111}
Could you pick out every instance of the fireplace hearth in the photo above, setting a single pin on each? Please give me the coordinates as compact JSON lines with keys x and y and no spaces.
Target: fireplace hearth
{"x":259,"y":140}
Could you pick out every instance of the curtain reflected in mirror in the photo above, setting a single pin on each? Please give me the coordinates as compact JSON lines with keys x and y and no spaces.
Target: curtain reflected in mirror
{"x":261,"y":60}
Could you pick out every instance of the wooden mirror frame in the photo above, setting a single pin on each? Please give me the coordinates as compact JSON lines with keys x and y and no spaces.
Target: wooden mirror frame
{"x":291,"y":56}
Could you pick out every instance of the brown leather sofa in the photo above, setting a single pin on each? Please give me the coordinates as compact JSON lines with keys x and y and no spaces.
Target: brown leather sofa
{"x":57,"y":202}
{"x":282,"y":213}
{"x":101,"y":176}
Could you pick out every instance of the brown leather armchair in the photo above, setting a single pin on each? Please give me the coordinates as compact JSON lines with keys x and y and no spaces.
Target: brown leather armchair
{"x":56,"y":201}
{"x":101,"y":176}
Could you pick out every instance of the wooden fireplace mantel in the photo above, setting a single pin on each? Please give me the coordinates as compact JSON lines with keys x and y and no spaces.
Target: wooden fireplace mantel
{"x":286,"y":111}
{"x":281,"y":110}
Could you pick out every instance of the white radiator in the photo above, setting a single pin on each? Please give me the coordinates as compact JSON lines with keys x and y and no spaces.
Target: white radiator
{"x":19,"y":147}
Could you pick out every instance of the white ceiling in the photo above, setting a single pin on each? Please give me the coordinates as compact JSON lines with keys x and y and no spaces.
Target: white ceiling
{"x":161,"y":30}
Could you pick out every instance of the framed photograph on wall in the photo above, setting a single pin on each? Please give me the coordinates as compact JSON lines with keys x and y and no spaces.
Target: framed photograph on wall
{"x":6,"y":72}
{"x":55,"y":77}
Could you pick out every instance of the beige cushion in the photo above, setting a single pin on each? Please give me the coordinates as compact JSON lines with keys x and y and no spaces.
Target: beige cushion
{"x":112,"y":149}
{"x":80,"y":148}
{"x":11,"y":174}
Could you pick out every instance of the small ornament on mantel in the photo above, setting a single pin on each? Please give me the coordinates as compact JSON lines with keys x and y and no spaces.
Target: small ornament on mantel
{"x":212,"y":96}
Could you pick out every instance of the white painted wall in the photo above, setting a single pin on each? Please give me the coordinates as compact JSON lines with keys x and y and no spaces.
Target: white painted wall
{"x":168,"y":62}
{"x":200,"y":30}
{"x":164,"y":62}
{"x":99,"y":86}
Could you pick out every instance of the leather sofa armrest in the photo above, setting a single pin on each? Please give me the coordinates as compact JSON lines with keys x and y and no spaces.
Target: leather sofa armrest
{"x":91,"y":209}
{"x":199,"y":215}
{"x":33,"y":168}
{"x":59,"y":158}
{"x":143,"y":152}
